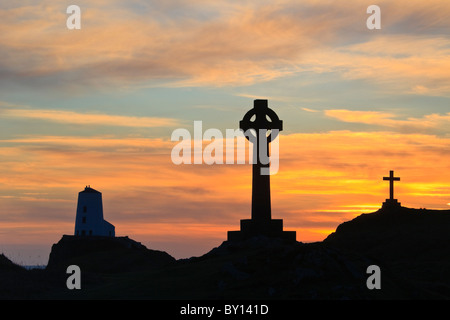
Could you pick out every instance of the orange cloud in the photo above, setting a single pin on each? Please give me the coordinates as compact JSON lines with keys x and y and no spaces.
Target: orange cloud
{"x":242,"y":43}
{"x":368,"y":117}
{"x":323,"y":180}
{"x":72,"y":117}
{"x":120,"y":45}
{"x":430,"y":122}
{"x":390,"y":62}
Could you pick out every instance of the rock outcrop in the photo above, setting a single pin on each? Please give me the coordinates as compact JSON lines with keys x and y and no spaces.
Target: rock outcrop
{"x":105,"y":254}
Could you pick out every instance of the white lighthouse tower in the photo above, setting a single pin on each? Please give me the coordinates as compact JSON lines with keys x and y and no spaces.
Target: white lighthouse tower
{"x":89,"y":220}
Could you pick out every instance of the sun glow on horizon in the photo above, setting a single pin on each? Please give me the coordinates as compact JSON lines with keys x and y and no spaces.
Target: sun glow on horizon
{"x":98,"y":105}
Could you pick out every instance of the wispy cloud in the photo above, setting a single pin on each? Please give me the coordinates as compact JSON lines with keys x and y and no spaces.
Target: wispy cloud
{"x":428,"y":123}
{"x":319,"y":173}
{"x":71,"y":117}
{"x":215,"y":44}
{"x":389,"y":62}
{"x":309,"y":110}
{"x":367,"y":117}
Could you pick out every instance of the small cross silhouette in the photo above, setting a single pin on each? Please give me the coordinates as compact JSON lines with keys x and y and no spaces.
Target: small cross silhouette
{"x":391,"y":180}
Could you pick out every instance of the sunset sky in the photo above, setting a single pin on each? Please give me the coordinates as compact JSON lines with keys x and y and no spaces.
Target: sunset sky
{"x":97,"y":106}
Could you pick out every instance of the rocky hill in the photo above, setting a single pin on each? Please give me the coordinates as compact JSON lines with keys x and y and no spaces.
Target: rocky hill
{"x":396,"y":233}
{"x":413,"y":244}
{"x":105,"y":255}
{"x":411,"y":247}
{"x":8,"y":265}
{"x":258,"y":268}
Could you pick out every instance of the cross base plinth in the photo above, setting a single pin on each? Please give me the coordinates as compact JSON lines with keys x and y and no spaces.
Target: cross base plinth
{"x":391,"y":203}
{"x":270,"y":228}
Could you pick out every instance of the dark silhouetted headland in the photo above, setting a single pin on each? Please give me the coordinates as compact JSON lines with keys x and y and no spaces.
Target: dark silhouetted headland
{"x":411,"y":247}
{"x":391,"y":233}
{"x":412,"y":244}
{"x":105,"y":255}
